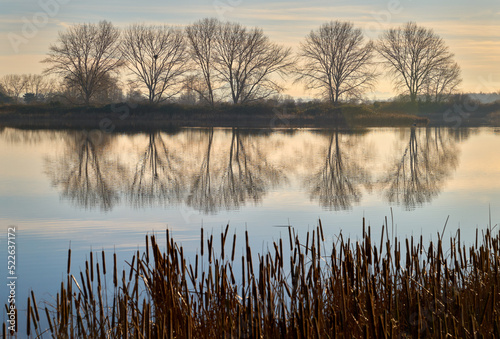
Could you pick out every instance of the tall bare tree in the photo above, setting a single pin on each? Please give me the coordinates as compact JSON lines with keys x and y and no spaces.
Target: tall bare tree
{"x":337,"y":61}
{"x":413,"y":55}
{"x":443,"y":82}
{"x":157,"y":57}
{"x":201,"y":37}
{"x":85,"y":54}
{"x":248,"y":63}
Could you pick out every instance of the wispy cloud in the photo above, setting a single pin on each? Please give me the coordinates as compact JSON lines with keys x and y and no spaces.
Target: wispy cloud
{"x":471,"y":29}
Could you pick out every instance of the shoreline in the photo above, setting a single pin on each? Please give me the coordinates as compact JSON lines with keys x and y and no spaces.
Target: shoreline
{"x":123,"y":117}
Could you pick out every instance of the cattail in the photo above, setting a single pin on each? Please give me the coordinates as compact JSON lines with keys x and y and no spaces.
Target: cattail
{"x":91,"y":266}
{"x":115,"y":274}
{"x":48,"y":320}
{"x":202,"y":241}
{"x":234,"y":247}
{"x":103,"y":262}
{"x":28,"y":320}
{"x":69,"y":261}
{"x":147,"y":249}
{"x":361,"y":291}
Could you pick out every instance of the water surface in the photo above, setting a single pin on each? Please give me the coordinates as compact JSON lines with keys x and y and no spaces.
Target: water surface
{"x":92,"y":191}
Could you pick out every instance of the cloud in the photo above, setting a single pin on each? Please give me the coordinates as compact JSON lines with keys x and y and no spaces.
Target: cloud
{"x":471,"y":30}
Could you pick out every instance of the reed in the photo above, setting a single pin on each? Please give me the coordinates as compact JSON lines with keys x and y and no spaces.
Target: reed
{"x":366,"y":288}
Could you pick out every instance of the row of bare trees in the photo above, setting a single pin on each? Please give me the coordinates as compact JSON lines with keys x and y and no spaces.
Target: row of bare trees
{"x":32,"y":87}
{"x":224,"y":61}
{"x":339,"y":63}
{"x":236,"y":60}
{"x":37,"y":88}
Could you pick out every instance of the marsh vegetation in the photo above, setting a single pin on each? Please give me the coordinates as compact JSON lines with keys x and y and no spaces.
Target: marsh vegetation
{"x":302,"y":287}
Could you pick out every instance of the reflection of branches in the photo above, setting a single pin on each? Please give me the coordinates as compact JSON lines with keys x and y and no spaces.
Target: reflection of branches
{"x":337,"y":183}
{"x":417,"y":177}
{"x":229,"y":182}
{"x":247,"y":176}
{"x":27,"y":136}
{"x":83,"y":174}
{"x":157,"y":177}
{"x":200,"y":194}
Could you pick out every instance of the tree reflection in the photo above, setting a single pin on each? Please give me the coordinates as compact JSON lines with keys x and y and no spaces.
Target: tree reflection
{"x":84,"y":174}
{"x":200,"y":192}
{"x":158,"y":176}
{"x":337,"y":183}
{"x":228,"y":180}
{"x":28,"y":136}
{"x":229,"y":168}
{"x":418,"y":175}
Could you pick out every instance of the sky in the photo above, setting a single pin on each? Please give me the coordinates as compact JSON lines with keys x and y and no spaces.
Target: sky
{"x":471,"y":29}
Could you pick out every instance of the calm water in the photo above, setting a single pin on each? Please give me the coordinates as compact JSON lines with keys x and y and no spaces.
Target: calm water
{"x":92,"y":191}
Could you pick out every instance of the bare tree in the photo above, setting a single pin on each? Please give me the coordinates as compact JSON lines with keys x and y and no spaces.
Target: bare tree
{"x":157,"y":57}
{"x":248,"y":63}
{"x":413,"y":55}
{"x":13,"y":85}
{"x":201,"y":37}
{"x":443,"y":82}
{"x":84,"y":55}
{"x":106,"y":90}
{"x":37,"y":86}
{"x":337,"y":61}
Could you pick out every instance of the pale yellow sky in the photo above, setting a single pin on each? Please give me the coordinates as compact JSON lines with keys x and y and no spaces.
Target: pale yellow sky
{"x":471,"y":29}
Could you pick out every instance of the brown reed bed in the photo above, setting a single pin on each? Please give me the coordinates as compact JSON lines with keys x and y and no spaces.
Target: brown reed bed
{"x":379,"y":289}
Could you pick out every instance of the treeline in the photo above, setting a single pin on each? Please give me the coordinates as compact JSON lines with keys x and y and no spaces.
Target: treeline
{"x":211,"y":62}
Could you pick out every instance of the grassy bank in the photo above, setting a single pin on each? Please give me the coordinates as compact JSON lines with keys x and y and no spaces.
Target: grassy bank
{"x":461,"y":112}
{"x":123,"y":116}
{"x":384,"y":287}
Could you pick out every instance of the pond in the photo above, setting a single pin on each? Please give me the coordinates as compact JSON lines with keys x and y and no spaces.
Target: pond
{"x":91,"y":191}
